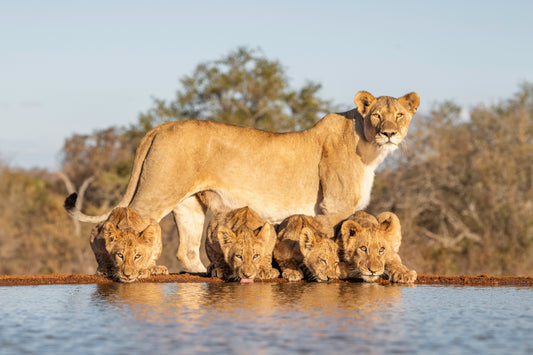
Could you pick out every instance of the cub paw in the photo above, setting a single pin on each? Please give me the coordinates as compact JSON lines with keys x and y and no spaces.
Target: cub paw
{"x":158,"y":270}
{"x":269,"y":274}
{"x":292,"y":275}
{"x":408,"y":276}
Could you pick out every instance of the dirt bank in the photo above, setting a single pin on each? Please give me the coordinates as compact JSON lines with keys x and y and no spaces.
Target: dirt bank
{"x":57,"y":279}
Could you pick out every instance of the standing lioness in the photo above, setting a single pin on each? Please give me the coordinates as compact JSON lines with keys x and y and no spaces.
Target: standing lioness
{"x":325,"y":170}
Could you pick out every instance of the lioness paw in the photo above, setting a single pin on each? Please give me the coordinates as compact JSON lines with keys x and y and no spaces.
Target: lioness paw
{"x":408,"y":276}
{"x":158,"y":270}
{"x":292,"y":275}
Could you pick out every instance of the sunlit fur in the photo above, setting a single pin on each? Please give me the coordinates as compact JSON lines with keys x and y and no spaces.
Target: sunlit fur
{"x":369,"y":248}
{"x":239,"y":246}
{"x":127,"y":246}
{"x":302,"y":251}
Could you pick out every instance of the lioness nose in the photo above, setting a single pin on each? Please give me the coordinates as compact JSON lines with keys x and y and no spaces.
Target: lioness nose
{"x":389,"y":134}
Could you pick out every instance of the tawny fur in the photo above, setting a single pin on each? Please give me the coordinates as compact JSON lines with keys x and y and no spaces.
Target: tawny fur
{"x":239,"y":245}
{"x":326,"y":171}
{"x":369,"y":248}
{"x":127,"y":246}
{"x":302,"y":249}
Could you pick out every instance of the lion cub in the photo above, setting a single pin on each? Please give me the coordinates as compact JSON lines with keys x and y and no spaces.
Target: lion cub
{"x":369,"y":248}
{"x":302,"y":248}
{"x":126,"y":246}
{"x":239,"y":246}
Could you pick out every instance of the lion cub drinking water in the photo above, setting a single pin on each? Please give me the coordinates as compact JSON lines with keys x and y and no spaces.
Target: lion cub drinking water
{"x":301,"y":247}
{"x":126,"y":246}
{"x":239,"y":246}
{"x":369,"y":248}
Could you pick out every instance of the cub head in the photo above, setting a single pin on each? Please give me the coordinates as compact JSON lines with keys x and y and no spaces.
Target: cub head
{"x":320,"y":255}
{"x":386,"y":119}
{"x":125,"y":244}
{"x":244,"y":249}
{"x":369,"y":243}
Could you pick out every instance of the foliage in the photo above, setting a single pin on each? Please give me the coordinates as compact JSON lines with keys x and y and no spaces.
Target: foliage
{"x":242,"y":88}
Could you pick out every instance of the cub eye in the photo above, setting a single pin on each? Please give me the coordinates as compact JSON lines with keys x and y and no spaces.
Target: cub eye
{"x":363,"y":249}
{"x":238,"y":256}
{"x":336,"y":262}
{"x":399,"y":115}
{"x":381,"y":250}
{"x":137,"y":257}
{"x":256,"y":256}
{"x":120,"y":255}
{"x":323,"y":261}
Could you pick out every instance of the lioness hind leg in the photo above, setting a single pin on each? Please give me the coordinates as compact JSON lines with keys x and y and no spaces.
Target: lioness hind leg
{"x":189,"y":217}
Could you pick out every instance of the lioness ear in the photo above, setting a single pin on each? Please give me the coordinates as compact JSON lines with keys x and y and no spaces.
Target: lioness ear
{"x":225,"y":237}
{"x":147,"y":236}
{"x":410,"y":102}
{"x":350,"y":229}
{"x":363,"y":100}
{"x":390,"y":223}
{"x":307,"y":240}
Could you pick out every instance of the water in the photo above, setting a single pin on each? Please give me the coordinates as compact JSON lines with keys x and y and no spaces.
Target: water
{"x":267,"y":318}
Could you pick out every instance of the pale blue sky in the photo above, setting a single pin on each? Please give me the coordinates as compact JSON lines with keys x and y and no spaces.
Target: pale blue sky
{"x":75,"y":66}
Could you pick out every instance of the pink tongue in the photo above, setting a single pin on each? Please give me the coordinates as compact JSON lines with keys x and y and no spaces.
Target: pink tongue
{"x":245,"y":281}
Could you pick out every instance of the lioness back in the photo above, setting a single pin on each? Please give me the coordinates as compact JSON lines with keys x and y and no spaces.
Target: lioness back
{"x":302,"y":249}
{"x":239,"y":246}
{"x":369,"y":248}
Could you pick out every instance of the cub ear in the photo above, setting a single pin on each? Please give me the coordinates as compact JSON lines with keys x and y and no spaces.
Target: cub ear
{"x":350,"y":229}
{"x":110,"y":232}
{"x":225,"y":237}
{"x":390,"y":224}
{"x":363,"y":100}
{"x":307,"y":240}
{"x":148,"y":235}
{"x":410,"y":102}
{"x":268,"y":235}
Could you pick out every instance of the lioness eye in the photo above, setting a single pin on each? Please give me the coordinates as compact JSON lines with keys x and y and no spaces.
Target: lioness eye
{"x":375,"y":118}
{"x":137,"y":257}
{"x":238,"y":257}
{"x":256,"y":256}
{"x":324,"y":261}
{"x":381,"y":250}
{"x":120,"y":255}
{"x":399,"y":115}
{"x":363,"y":249}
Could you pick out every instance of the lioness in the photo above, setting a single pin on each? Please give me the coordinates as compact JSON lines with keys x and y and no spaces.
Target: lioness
{"x":126,"y":246}
{"x":326,"y":171}
{"x":302,"y":249}
{"x":369,"y":248}
{"x":239,"y":245}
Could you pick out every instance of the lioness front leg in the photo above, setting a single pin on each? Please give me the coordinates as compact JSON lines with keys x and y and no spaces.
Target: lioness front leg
{"x":189,"y":217}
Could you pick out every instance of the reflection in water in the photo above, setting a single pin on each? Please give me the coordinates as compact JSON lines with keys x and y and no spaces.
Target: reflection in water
{"x":266,"y":318}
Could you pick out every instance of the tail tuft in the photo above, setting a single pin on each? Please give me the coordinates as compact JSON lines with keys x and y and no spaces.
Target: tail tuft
{"x":70,"y":202}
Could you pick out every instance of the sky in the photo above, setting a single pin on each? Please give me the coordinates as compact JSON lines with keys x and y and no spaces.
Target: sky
{"x":73,"y":67}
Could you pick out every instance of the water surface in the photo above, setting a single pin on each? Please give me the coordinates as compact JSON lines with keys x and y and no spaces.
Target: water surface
{"x":268,"y":318}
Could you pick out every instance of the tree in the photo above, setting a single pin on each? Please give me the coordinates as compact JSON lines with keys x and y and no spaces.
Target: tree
{"x":242,"y":88}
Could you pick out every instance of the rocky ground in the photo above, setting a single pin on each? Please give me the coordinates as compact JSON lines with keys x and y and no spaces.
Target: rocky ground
{"x":52,"y":279}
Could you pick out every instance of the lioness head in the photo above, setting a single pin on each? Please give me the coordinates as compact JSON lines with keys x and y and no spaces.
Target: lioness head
{"x":369,"y":243}
{"x":244,"y":249}
{"x":124,"y":245}
{"x":320,"y":255}
{"x":386,"y":119}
